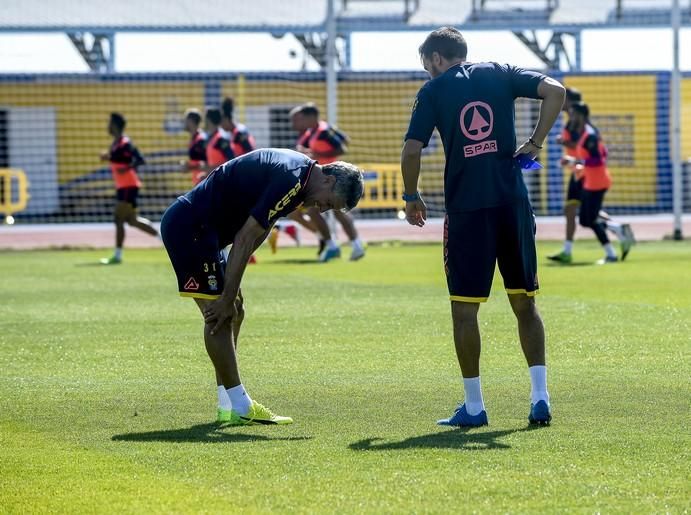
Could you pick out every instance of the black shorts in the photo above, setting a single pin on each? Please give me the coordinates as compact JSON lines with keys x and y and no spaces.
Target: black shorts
{"x":574,"y":191}
{"x":591,"y":206}
{"x":475,"y":241}
{"x":128,"y":195}
{"x":194,"y":251}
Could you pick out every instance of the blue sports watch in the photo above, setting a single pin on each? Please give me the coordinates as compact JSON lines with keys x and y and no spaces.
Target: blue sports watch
{"x":412,"y":198}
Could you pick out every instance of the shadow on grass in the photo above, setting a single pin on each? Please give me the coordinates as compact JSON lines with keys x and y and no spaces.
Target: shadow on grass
{"x":292,"y":262}
{"x":93,"y":263}
{"x":574,"y":263}
{"x":465,"y":439}
{"x":202,"y":433}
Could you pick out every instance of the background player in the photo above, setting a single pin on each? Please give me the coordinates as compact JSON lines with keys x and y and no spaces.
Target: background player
{"x":591,"y":160}
{"x":489,"y":217}
{"x":241,"y":141}
{"x":569,"y":140}
{"x":238,"y":203}
{"x":124,"y":159}
{"x":218,"y":148}
{"x":196,"y":150}
{"x":319,"y":140}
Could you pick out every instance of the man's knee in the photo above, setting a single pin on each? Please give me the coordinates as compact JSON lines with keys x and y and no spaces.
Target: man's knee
{"x":464,"y":312}
{"x":240,"y":307}
{"x":523,"y":305}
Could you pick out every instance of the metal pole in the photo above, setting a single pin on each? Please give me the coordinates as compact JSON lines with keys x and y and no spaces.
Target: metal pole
{"x":331,"y":80}
{"x":578,"y":52}
{"x":675,"y":118}
{"x":331,"y":85}
{"x":110,"y":67}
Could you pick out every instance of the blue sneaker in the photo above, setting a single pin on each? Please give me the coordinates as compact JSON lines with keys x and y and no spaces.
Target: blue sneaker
{"x":540,"y":414}
{"x":461,"y":418}
{"x":329,"y":253}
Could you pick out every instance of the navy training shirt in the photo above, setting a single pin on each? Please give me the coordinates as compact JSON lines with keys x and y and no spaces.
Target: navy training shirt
{"x":266,"y":184}
{"x":472,"y":107}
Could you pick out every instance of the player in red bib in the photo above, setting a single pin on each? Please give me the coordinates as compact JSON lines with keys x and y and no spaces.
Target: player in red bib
{"x":241,"y":141}
{"x":569,"y":140}
{"x":124,"y":159}
{"x":320,"y":141}
{"x":218,"y":148}
{"x":590,"y":162}
{"x":196,"y":150}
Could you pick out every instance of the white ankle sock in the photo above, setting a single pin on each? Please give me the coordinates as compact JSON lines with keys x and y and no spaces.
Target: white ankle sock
{"x":223,"y":399}
{"x":118,"y":253}
{"x":473,"y":395}
{"x":356,"y":244}
{"x":239,"y":399}
{"x":538,"y":384}
{"x":331,"y":244}
{"x":609,"y":250}
{"x":568,"y":246}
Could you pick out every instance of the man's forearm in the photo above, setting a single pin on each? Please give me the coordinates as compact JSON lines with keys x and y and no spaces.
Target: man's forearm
{"x":552,"y":102}
{"x":410,"y":167}
{"x":239,"y":256}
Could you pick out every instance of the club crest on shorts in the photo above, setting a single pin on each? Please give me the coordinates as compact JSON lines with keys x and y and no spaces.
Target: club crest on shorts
{"x":213,"y":283}
{"x":191,"y":284}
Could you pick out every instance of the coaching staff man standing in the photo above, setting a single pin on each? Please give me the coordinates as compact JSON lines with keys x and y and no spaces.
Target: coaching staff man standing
{"x":489,"y":218}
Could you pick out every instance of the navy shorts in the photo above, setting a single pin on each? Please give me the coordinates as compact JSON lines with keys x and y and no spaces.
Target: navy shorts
{"x":194,"y":251}
{"x":574,"y":191}
{"x":128,"y":195}
{"x":474,"y":241}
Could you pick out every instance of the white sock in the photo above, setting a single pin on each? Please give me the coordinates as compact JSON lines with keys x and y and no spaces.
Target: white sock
{"x":331,"y":244}
{"x":616,"y":228}
{"x":609,"y":250}
{"x":239,"y":399}
{"x":568,"y":246}
{"x":118,"y":253}
{"x":473,"y":395}
{"x":356,"y":244}
{"x":538,"y":384}
{"x":223,"y":399}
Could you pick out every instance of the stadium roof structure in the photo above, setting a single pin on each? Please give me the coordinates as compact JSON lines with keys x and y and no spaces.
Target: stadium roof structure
{"x":101,"y":19}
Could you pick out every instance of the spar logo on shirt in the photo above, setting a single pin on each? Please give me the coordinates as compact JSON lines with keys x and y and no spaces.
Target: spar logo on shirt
{"x":477,"y":122}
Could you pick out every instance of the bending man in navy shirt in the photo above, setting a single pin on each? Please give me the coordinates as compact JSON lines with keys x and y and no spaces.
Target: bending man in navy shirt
{"x":489,"y":218}
{"x":238,"y":204}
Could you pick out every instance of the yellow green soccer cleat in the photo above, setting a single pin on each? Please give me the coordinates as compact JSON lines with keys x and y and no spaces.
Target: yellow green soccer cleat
{"x":261,"y":415}
{"x":226,"y":416}
{"x":113,"y":260}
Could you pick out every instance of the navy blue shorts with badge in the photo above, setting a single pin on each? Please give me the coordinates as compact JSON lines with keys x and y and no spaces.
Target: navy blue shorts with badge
{"x":193,"y":251}
{"x":474,"y":241}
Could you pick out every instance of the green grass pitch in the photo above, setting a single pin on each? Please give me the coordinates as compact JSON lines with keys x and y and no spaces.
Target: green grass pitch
{"x":107,"y":397}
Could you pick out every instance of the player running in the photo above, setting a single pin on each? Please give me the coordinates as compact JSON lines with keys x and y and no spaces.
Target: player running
{"x":238,"y":204}
{"x":574,"y":193}
{"x":218,"y":149}
{"x":124,"y":159}
{"x":241,"y":141}
{"x":196,"y":150}
{"x":320,"y":141}
{"x":489,"y":217}
{"x":590,"y":160}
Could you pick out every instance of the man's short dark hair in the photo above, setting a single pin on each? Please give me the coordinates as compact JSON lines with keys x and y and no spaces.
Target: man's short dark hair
{"x":573,"y":95}
{"x":308,"y":109}
{"x":582,"y":108}
{"x":227,"y":107}
{"x":448,"y":42}
{"x":194,"y":115}
{"x":118,"y":120}
{"x":213,"y":114}
{"x":349,"y":184}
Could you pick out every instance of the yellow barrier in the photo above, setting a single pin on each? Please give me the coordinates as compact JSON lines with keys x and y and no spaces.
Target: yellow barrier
{"x":8,"y":178}
{"x":383,"y":186}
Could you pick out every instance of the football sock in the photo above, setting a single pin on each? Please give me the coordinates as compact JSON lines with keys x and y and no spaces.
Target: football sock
{"x":568,"y":246}
{"x":473,"y":395}
{"x":118,"y":253}
{"x":239,"y":399}
{"x":538,"y":384}
{"x":223,"y":399}
{"x":609,"y":250}
{"x":356,"y":243}
{"x":331,"y":244}
{"x":616,"y":228}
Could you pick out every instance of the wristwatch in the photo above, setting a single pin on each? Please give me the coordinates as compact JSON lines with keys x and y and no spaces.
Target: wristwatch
{"x":411,"y":198}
